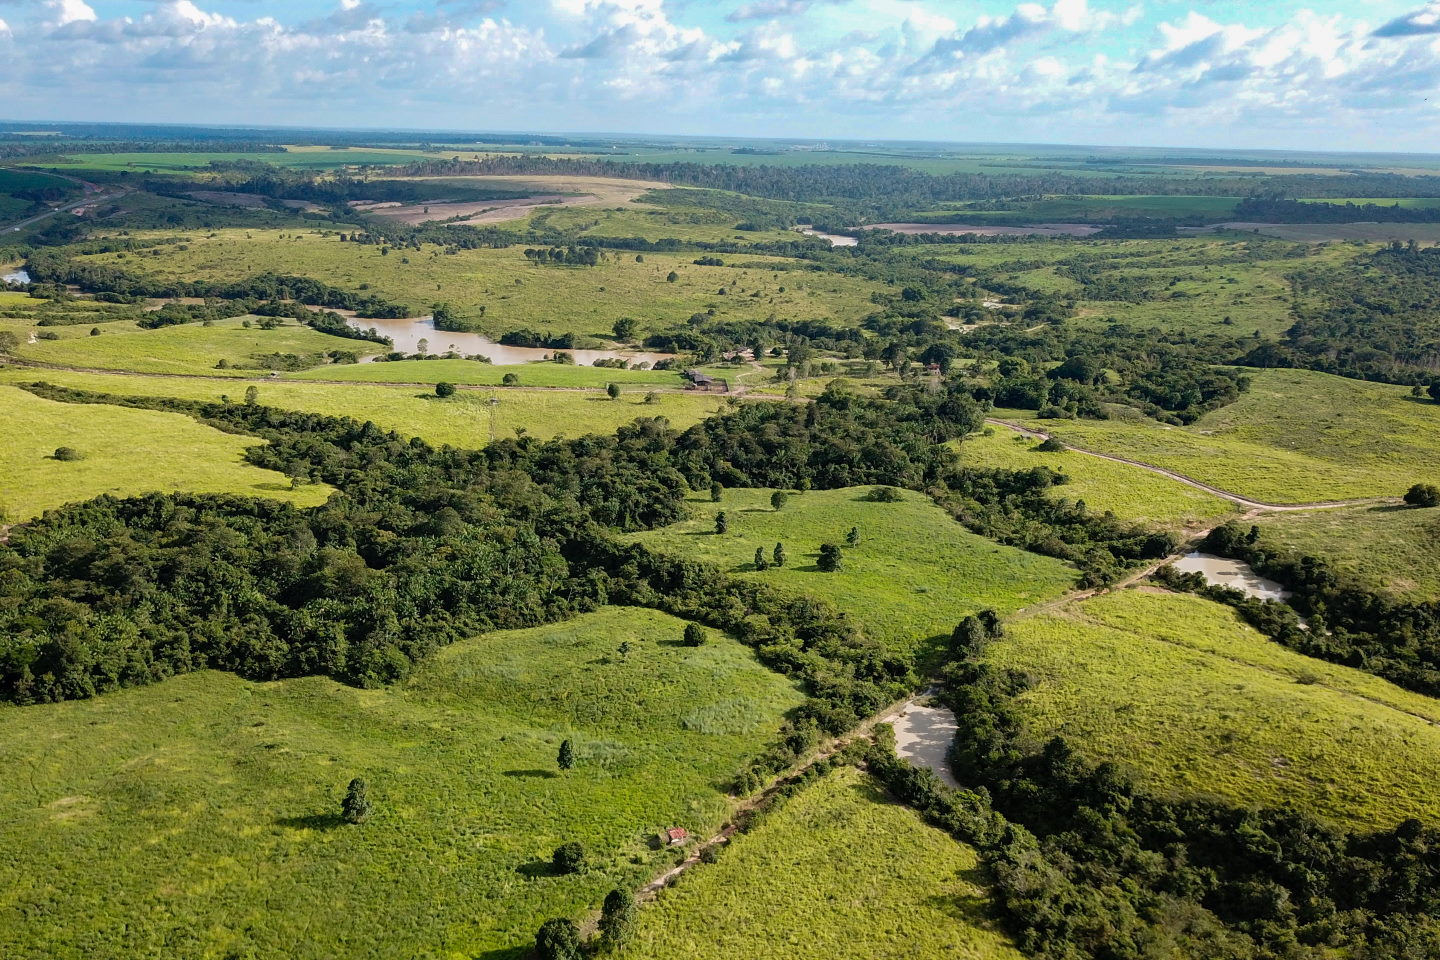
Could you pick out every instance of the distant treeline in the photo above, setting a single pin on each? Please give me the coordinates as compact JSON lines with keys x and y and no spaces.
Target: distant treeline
{"x":1294,"y":211}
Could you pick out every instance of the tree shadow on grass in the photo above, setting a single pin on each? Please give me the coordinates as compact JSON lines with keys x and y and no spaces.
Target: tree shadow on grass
{"x":313,"y":821}
{"x":536,"y":869}
{"x":532,"y":774}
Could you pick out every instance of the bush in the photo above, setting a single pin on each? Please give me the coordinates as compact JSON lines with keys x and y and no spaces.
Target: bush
{"x":831,"y":559}
{"x":67,"y":454}
{"x":443,"y":389}
{"x":1050,"y":445}
{"x":510,"y":379}
{"x":1423,"y":495}
{"x":355,"y":808}
{"x":694,"y":635}
{"x":558,"y":939}
{"x":884,"y":495}
{"x":569,"y":857}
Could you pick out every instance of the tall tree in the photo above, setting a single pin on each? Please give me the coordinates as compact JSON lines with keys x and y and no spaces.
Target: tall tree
{"x":830,"y":559}
{"x":617,"y":918}
{"x":355,"y":808}
{"x":779,"y":555}
{"x":558,"y":939}
{"x":565,"y":759}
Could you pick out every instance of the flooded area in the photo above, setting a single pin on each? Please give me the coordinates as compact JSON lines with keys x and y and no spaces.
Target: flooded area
{"x":1035,"y":230}
{"x":836,"y":239}
{"x":923,"y":735}
{"x":16,"y":276}
{"x":408,"y":333}
{"x":1223,"y":572}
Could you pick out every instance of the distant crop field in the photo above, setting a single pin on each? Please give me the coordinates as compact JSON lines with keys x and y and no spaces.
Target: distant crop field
{"x":1177,"y":690}
{"x":914,"y":574}
{"x":1392,"y":549}
{"x":224,"y":795}
{"x":124,"y":452}
{"x":1129,"y":492}
{"x":1295,"y":437}
{"x":1092,"y":207}
{"x":322,"y":158}
{"x":839,"y":872}
{"x":516,"y":293}
{"x":468,"y":419}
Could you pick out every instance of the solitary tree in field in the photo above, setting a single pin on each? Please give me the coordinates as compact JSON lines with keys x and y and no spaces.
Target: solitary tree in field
{"x":625,"y":329}
{"x":94,"y":331}
{"x":422,"y":346}
{"x":722,"y":522}
{"x":830,"y":558}
{"x":67,"y":454}
{"x":612,"y":390}
{"x":671,"y":277}
{"x":355,"y":808}
{"x":853,"y":537}
{"x":761,"y":563}
{"x":510,"y":379}
{"x":779,"y":555}
{"x":443,"y":389}
{"x":617,"y":918}
{"x":569,"y":857}
{"x":778,"y":500}
{"x":716,"y":491}
{"x":694,"y":635}
{"x":624,"y":648}
{"x":565,"y":759}
{"x":252,"y":395}
{"x":1434,"y":391}
{"x":558,"y":939}
{"x":1423,"y":495}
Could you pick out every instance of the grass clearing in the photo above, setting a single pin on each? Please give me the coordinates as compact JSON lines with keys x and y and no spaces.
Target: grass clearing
{"x":914,"y":574}
{"x":1177,"y":689}
{"x":125,"y":452}
{"x":487,"y":374}
{"x":1393,"y":550}
{"x":223,"y":796}
{"x":1295,"y":436}
{"x":515,"y":292}
{"x":1129,"y":492}
{"x":838,"y":872}
{"x":467,"y":419}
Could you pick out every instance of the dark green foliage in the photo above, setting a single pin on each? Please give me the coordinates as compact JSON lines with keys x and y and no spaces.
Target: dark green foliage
{"x":830,"y":559}
{"x":67,"y":454}
{"x":778,"y":500}
{"x":625,"y":328}
{"x":569,"y":857}
{"x":558,"y":939}
{"x":356,"y":808}
{"x":1423,"y":495}
{"x":884,"y":495}
{"x":716,"y":491}
{"x":694,"y":635}
{"x":853,"y":537}
{"x":778,"y":556}
{"x":443,"y":389}
{"x":761,"y":562}
{"x":722,"y":522}
{"x":617,"y":918}
{"x":612,"y":390}
{"x":510,"y":380}
{"x":565,"y":759}
{"x":1050,"y":445}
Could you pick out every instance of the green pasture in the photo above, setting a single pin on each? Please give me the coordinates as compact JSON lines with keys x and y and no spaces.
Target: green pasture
{"x":541,"y":374}
{"x":838,"y":872}
{"x":913,"y":576}
{"x":695,"y":224}
{"x":1295,"y":436}
{"x":1129,"y":492}
{"x":124,"y":452}
{"x":1177,"y":690}
{"x":189,"y":348}
{"x":515,"y":292}
{"x":198,"y":817}
{"x":1089,"y":208}
{"x":467,"y":419}
{"x":1390,"y":549}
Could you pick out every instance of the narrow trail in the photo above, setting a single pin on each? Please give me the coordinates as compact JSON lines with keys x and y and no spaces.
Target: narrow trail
{"x":1258,"y":505}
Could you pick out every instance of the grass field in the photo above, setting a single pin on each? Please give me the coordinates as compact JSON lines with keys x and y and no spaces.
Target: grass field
{"x":1129,"y":492}
{"x":913,"y":576}
{"x":515,"y":292}
{"x":189,"y":348}
{"x":125,"y":452}
{"x":1393,"y":550}
{"x":838,"y":872}
{"x":1097,"y":207}
{"x":470,"y":372}
{"x":467,"y":419}
{"x":688,"y":223}
{"x":1178,"y":690}
{"x":198,"y":817}
{"x":1295,"y":437}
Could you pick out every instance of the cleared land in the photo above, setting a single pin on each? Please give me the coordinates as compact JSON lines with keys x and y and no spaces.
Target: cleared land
{"x":914,"y":574}
{"x":1129,"y":492}
{"x":515,"y":292}
{"x":1295,"y":437}
{"x":839,"y":872}
{"x":471,"y":372}
{"x":190,"y":348}
{"x":1181,"y":692}
{"x":125,"y":452}
{"x":223,"y":796}
{"x":1391,"y":549}
{"x":467,"y":419}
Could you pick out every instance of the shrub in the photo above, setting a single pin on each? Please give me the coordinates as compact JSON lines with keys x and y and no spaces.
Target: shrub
{"x":884,"y":495}
{"x":355,"y":808}
{"x":510,"y":379}
{"x":569,"y":857}
{"x":558,"y":939}
{"x":694,"y":635}
{"x":1423,"y":495}
{"x":443,"y":389}
{"x":831,"y":559}
{"x":67,"y":454}
{"x":1050,"y":445}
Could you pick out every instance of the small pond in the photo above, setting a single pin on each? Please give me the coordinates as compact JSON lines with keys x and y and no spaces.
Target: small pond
{"x":408,"y":333}
{"x":1223,"y":572}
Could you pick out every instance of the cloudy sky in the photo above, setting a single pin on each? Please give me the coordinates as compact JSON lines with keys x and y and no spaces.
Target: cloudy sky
{"x":1326,"y":74}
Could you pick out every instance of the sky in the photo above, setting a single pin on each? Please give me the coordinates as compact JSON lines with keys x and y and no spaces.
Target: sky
{"x":1320,"y":75}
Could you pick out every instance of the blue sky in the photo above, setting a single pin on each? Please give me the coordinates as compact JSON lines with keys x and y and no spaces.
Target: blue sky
{"x":1320,"y":75}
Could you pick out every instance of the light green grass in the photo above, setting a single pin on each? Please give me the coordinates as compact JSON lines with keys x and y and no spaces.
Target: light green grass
{"x":839,"y":872}
{"x":190,"y":348}
{"x":126,"y":452}
{"x":914,"y":575}
{"x":469,"y":371}
{"x":322,"y":159}
{"x":1394,"y":550}
{"x":515,"y":292}
{"x":695,"y":224}
{"x":1178,"y":690}
{"x":1096,"y":207}
{"x":1129,"y":492}
{"x":467,"y":419}
{"x":197,"y":817}
{"x":1294,"y":437}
